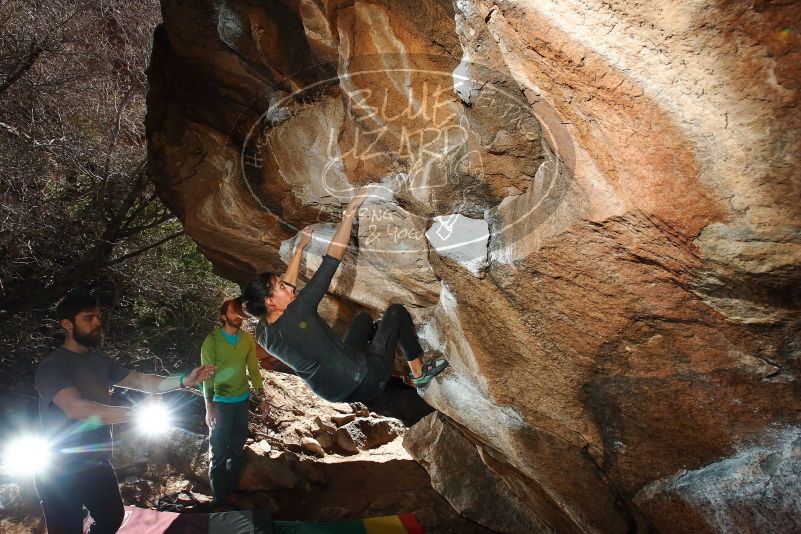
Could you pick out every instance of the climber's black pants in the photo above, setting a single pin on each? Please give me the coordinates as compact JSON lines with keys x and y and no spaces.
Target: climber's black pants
{"x":396,"y":328}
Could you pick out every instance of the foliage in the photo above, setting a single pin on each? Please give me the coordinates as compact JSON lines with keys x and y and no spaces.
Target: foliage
{"x":78,"y":209}
{"x":74,"y":184}
{"x":156,"y":309}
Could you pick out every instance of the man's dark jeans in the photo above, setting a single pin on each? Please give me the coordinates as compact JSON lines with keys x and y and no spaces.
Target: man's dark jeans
{"x":226,"y":448}
{"x":64,"y":496}
{"x":395,"y":329}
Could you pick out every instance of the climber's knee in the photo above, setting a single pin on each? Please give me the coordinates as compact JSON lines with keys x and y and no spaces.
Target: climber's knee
{"x":395,"y":310}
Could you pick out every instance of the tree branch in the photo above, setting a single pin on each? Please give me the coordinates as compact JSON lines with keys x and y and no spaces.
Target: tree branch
{"x":143,"y":249}
{"x":100,"y":198}
{"x":23,"y":66}
{"x":15,"y":131}
{"x":137,"y":210}
{"x":117,"y":221}
{"x":138,"y":229}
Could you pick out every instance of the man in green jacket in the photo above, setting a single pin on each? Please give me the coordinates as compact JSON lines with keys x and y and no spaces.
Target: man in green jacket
{"x":233,"y":352}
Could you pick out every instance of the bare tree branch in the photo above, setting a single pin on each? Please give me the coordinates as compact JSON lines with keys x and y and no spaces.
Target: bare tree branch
{"x":139,"y":209}
{"x":23,"y":66}
{"x":143,"y":249}
{"x":115,"y":133}
{"x":14,"y":131}
{"x":74,"y":181}
{"x":165,"y":217}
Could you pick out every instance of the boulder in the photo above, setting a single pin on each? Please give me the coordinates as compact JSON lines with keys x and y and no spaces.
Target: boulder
{"x":324,"y":426}
{"x":11,"y":498}
{"x":267,"y":472}
{"x":341,"y":420}
{"x":137,"y":491}
{"x":368,"y":433}
{"x":458,"y":471}
{"x":324,"y":439}
{"x":350,"y":438}
{"x":264,"y":501}
{"x":591,"y":208}
{"x":313,"y":446}
{"x":747,"y":492}
{"x":183,"y":451}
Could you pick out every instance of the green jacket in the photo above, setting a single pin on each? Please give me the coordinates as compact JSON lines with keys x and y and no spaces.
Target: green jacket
{"x":229,"y":380}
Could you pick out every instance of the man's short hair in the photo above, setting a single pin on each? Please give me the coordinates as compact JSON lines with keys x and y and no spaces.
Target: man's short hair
{"x":73,"y":304}
{"x":235,"y":303}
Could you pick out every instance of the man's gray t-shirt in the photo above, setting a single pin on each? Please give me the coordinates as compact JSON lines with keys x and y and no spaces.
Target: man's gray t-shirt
{"x":303,"y":340}
{"x":76,"y":444}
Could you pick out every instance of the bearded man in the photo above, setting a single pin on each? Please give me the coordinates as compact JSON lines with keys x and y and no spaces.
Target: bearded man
{"x":74,"y":406}
{"x":233,"y":352}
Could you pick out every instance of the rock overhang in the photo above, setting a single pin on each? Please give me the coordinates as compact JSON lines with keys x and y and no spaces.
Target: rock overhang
{"x":639,"y":261}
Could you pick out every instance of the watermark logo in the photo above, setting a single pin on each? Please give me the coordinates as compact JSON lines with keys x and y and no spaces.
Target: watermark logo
{"x":447,"y":147}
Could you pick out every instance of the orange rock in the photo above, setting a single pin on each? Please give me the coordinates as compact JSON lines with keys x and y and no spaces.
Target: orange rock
{"x":637,"y":164}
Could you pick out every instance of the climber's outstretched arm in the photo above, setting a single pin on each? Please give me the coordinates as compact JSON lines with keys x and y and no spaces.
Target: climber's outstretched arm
{"x":340,"y":241}
{"x":291,"y":274}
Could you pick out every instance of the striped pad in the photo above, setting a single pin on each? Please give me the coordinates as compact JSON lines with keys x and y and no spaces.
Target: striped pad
{"x":142,"y":521}
{"x":392,"y":524}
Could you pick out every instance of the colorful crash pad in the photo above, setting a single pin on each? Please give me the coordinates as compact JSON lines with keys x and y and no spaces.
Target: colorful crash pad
{"x":143,"y":521}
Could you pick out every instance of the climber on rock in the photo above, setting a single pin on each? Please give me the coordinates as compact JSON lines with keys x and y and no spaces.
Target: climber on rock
{"x":289,"y":328}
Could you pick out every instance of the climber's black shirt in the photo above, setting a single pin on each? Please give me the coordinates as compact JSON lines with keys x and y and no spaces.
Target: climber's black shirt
{"x":303,"y":340}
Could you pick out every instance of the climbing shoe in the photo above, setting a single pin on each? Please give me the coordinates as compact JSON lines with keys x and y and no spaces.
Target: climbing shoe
{"x":430,"y":370}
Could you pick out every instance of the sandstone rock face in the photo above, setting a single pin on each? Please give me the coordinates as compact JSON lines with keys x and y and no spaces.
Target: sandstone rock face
{"x":749,"y":490}
{"x":458,"y":472}
{"x":620,"y":302}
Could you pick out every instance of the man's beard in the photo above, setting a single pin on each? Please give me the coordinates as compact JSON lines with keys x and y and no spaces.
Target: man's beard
{"x":92,"y":338}
{"x":234,"y":324}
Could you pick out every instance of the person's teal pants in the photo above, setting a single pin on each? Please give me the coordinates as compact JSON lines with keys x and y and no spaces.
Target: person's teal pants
{"x":226,"y":448}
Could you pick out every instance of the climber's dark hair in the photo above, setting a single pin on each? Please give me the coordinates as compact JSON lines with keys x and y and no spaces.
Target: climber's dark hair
{"x":255,"y":292}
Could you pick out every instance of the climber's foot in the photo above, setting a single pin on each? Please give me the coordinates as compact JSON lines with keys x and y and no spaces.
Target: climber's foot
{"x":430,"y":370}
